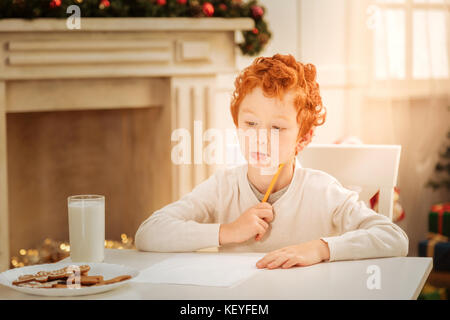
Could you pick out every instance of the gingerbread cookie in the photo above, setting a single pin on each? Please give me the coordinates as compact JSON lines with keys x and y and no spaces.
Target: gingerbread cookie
{"x":24,"y":278}
{"x":36,"y":284}
{"x":90,"y":280}
{"x":114,"y":280}
{"x":67,"y":277}
{"x":118,"y":279}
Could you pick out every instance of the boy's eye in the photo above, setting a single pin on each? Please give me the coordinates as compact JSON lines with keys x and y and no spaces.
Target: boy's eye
{"x":277,"y":128}
{"x":250,"y":123}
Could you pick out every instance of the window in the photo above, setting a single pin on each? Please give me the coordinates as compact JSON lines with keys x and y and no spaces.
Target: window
{"x":410,"y":39}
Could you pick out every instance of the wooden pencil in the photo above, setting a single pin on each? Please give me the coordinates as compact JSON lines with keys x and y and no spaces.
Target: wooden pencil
{"x":272,"y":183}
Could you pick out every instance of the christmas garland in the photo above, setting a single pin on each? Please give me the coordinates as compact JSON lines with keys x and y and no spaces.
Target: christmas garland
{"x":254,"y":40}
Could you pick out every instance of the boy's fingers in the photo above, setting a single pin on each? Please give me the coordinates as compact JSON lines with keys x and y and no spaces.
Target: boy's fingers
{"x":291,"y":262}
{"x":266,"y":260}
{"x":277,"y":262}
{"x":261,"y":231}
{"x":265,"y":214}
{"x":263,"y":205}
{"x":264,"y":224}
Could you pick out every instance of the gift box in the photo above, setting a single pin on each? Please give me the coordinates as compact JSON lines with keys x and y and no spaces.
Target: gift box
{"x":430,"y":292}
{"x":437,"y":247}
{"x":439,"y":219}
{"x":398,"y":213}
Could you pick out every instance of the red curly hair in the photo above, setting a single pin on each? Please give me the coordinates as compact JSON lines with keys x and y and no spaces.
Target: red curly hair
{"x":276,"y":76}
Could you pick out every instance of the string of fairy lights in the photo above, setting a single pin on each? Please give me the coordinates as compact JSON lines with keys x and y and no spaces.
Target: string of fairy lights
{"x":51,"y":251}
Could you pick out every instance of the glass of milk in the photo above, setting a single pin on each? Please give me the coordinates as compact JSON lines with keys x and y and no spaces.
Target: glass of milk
{"x":87,"y":228}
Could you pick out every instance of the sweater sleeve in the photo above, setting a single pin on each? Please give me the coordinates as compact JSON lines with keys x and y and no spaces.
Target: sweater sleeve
{"x":184,"y":225}
{"x":363,"y":233}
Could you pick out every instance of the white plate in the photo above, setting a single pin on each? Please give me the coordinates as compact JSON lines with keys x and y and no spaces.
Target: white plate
{"x":107,"y":270}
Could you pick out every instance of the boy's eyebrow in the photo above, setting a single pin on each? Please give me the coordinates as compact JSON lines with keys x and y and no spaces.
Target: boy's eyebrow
{"x":248,"y":111}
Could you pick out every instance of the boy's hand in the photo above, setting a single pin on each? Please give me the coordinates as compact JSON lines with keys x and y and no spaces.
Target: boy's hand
{"x":253,"y":222}
{"x":303,"y":254}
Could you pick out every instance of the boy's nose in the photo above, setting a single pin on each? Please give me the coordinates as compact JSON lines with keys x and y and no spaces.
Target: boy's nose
{"x":263,"y":134}
{"x":263,"y":146}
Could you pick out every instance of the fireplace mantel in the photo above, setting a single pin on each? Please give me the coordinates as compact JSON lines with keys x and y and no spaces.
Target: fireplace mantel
{"x":168,"y":64}
{"x":118,"y":47}
{"x":128,"y":24}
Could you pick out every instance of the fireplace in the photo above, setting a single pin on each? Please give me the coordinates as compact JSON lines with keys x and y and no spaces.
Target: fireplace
{"x":92,"y":111}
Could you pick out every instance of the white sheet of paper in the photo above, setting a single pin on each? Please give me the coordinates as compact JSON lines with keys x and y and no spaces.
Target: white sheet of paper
{"x":202,"y":269}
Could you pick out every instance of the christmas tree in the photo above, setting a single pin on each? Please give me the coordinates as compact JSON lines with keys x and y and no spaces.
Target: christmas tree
{"x":442,"y":169}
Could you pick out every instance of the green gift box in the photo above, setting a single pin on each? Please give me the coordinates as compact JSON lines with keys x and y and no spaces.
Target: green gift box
{"x":439,"y":219}
{"x":430,"y":292}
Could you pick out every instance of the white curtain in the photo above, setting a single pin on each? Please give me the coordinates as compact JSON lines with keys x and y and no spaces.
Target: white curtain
{"x":398,"y":92}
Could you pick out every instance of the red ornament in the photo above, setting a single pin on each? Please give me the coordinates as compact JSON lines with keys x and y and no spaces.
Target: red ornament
{"x":181,"y":1}
{"x":255,"y":31}
{"x":257,"y":12}
{"x":208,"y":9}
{"x":55,"y":3}
{"x":105,"y":3}
{"x":223,"y":7}
{"x":161,"y":2}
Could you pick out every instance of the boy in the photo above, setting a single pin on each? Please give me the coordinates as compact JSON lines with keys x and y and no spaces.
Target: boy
{"x":309,"y":216}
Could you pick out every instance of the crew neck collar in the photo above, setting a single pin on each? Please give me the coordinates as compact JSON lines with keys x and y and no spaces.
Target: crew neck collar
{"x":245,"y":183}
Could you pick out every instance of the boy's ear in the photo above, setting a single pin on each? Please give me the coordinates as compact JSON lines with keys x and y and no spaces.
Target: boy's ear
{"x":303,"y":142}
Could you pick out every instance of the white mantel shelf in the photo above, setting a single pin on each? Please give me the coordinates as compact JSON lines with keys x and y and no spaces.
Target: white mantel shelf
{"x":128,"y":24}
{"x":115,"y":63}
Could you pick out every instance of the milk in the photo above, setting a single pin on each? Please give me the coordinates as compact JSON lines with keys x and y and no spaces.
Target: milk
{"x":87,"y":229}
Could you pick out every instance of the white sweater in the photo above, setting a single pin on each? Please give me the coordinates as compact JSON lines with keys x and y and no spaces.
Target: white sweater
{"x":315,"y":206}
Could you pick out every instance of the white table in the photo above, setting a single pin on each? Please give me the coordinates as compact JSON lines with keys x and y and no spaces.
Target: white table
{"x":401,"y":278}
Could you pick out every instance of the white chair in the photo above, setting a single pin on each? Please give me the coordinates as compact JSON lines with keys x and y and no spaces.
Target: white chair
{"x":363,"y":168}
